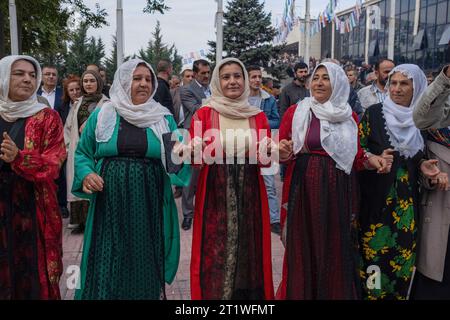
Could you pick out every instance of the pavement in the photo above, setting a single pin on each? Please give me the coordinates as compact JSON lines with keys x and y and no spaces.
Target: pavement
{"x":180,"y":287}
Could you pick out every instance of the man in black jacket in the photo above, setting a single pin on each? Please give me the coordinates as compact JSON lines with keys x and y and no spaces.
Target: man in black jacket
{"x":162,"y":95}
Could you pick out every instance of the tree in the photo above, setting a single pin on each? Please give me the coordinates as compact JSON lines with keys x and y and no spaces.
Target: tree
{"x":156,"y":5}
{"x":157,"y":50}
{"x":247,"y":33}
{"x":83,"y":51}
{"x":111,"y":61}
{"x":44,"y":25}
{"x":96,"y":51}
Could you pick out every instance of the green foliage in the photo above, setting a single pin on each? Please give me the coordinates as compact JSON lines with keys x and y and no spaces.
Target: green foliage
{"x":157,"y":50}
{"x":44,"y":25}
{"x":111,"y":61}
{"x":83,"y":51}
{"x":247,"y":33}
{"x":156,"y":6}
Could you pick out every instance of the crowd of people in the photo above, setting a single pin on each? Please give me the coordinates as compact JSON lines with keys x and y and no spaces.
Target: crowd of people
{"x":364,"y":204}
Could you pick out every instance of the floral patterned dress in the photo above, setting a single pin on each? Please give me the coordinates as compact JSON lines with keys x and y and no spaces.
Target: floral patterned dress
{"x":388,"y":216}
{"x":30,"y":220}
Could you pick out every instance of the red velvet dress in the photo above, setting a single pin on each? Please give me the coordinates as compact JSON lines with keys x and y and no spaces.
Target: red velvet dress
{"x":231,"y":243}
{"x":30,"y":220}
{"x":319,"y":216}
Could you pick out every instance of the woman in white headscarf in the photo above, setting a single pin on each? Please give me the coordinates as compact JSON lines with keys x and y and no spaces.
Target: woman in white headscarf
{"x":32,"y":152}
{"x":319,"y":142}
{"x":389,"y":203}
{"x":131,"y":245}
{"x":231,"y":255}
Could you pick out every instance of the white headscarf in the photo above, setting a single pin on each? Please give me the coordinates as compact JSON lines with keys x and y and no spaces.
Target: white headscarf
{"x":338,"y":130}
{"x":403,"y":134}
{"x":150,"y":114}
{"x":238,"y":108}
{"x":11,"y":111}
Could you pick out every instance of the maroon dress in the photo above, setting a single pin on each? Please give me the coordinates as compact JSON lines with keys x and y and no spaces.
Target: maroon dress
{"x":321,"y":246}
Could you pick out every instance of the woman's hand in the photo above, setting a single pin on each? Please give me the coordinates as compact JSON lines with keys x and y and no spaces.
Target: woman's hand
{"x":8,"y":149}
{"x":285,"y":149}
{"x":92,"y":183}
{"x":430,"y":169}
{"x":441,"y":181}
{"x":379,"y":163}
{"x":388,"y":155}
{"x":197,"y":145}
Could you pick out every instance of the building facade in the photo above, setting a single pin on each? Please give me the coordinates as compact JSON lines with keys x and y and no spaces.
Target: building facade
{"x":429,"y":48}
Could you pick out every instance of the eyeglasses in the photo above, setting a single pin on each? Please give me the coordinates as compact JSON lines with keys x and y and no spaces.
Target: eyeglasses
{"x":48,"y":74}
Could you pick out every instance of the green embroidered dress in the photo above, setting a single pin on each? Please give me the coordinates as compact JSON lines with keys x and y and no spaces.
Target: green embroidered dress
{"x":131,"y":244}
{"x":389,"y":213}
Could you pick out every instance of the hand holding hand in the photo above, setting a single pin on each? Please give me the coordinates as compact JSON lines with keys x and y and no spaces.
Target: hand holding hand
{"x":430,"y":169}
{"x":380,"y":164}
{"x":441,"y":181}
{"x":286,"y":149}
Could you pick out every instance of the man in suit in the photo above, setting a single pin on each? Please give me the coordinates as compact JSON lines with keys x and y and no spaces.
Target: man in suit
{"x":53,"y":95}
{"x":192,"y":96}
{"x":49,"y":89}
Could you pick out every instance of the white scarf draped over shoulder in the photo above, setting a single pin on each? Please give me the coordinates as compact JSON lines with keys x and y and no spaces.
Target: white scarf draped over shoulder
{"x":338,"y":129}
{"x":11,"y":111}
{"x":238,"y":108}
{"x":150,"y":114}
{"x":402,"y":132}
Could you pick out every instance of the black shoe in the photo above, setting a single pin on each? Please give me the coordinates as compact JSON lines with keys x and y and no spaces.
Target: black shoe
{"x":187,"y":222}
{"x":78,"y":230}
{"x":276,"y":228}
{"x":178,"y":193}
{"x":64,"y":212}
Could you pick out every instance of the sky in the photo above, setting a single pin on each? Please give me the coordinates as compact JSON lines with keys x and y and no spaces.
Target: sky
{"x":189,"y":24}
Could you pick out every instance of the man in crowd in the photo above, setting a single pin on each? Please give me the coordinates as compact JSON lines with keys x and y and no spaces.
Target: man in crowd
{"x":49,"y":89}
{"x":353,"y":79}
{"x":266,"y":102}
{"x":192,"y":96}
{"x":164,"y":71}
{"x":106,"y":86}
{"x":174,"y":82}
{"x":375,"y":92}
{"x":296,"y":90}
{"x":53,"y":95}
{"x":186,"y":77}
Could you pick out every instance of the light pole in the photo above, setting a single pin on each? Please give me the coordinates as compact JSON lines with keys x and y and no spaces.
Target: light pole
{"x":391,"y":34}
{"x":219,"y":31}
{"x":307,"y":32}
{"x":13,"y":27}
{"x":119,"y":33}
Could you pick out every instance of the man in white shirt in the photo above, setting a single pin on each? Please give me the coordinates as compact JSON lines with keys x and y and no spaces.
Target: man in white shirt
{"x":49,"y":90}
{"x":375,"y":92}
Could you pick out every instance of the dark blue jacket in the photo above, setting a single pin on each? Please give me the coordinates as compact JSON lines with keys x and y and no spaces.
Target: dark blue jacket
{"x":58,"y":97}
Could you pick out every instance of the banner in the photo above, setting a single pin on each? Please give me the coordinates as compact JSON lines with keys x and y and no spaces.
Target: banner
{"x":374,"y":14}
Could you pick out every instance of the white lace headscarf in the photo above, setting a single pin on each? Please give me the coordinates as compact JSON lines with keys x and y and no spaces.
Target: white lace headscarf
{"x":150,"y":114}
{"x":403,"y":134}
{"x":338,"y":129}
{"x":238,"y":108}
{"x":11,"y":111}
